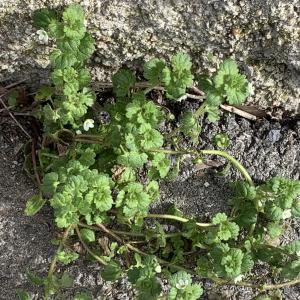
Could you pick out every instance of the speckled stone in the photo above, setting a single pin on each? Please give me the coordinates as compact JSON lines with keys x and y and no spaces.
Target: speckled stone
{"x":262,"y":35}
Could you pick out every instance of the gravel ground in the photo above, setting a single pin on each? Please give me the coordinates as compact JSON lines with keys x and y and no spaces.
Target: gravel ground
{"x":265,"y":148}
{"x":24,"y":242}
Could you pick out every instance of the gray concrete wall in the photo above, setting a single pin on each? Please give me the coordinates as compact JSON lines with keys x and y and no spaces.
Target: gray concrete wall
{"x":262,"y":35}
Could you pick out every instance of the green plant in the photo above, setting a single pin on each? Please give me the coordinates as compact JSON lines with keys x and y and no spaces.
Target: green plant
{"x":221,"y":140}
{"x":69,"y":99}
{"x":175,"y":78}
{"x":227,"y":84}
{"x":111,"y":176}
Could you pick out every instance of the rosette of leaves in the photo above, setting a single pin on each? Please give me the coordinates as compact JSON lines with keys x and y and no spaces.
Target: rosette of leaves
{"x":223,"y":230}
{"x":233,"y":85}
{"x":182,"y":287}
{"x":134,"y":200}
{"x":276,"y":200}
{"x":134,"y":129}
{"x":176,"y":78}
{"x":226,"y":85}
{"x":225,"y":262}
{"x":75,"y":191}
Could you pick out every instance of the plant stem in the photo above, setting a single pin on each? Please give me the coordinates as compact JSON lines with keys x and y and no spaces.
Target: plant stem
{"x":224,"y":154}
{"x":87,"y":141}
{"x":281,"y":285}
{"x":134,"y":249}
{"x":54,"y":260}
{"x":128,"y":233}
{"x":263,"y":287}
{"x":86,"y":247}
{"x":89,"y":137}
{"x":176,"y":267}
{"x":251,"y":230}
{"x":49,"y":155}
{"x":200,"y":110}
{"x":176,"y":218}
{"x":148,"y":89}
{"x":167,"y":235}
{"x":232,"y":160}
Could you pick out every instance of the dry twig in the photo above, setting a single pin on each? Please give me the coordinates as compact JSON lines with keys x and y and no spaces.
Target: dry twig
{"x":239,"y":112}
{"x":6,"y":88}
{"x":13,"y":117}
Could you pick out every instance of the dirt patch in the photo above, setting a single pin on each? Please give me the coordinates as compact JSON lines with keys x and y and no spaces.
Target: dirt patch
{"x":25,"y":242}
{"x":266,"y":149}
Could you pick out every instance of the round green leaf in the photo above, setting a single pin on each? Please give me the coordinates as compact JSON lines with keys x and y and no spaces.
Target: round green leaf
{"x":88,"y":235}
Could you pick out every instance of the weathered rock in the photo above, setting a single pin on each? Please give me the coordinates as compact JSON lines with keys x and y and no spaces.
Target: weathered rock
{"x":262,"y":35}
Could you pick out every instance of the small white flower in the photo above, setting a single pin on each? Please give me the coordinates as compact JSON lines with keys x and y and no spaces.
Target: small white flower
{"x":42,"y":36}
{"x":238,"y":278}
{"x":181,"y":284}
{"x":158,"y":269}
{"x":298,"y":253}
{"x":88,"y":123}
{"x":78,"y":131}
{"x":286,"y":214}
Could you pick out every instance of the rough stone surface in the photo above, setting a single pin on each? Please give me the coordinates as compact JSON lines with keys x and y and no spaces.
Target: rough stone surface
{"x":262,"y":35}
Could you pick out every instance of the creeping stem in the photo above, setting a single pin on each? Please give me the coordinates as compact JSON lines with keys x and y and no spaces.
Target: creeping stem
{"x":232,"y":160}
{"x":262,"y":287}
{"x":136,"y":250}
{"x":224,"y":154}
{"x":54,"y":260}
{"x":95,"y":256}
{"x":176,"y":218}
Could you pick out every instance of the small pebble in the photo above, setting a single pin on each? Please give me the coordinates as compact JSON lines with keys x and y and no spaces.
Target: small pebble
{"x":274,"y":135}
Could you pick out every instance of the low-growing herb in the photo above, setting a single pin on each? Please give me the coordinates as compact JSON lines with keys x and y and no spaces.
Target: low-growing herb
{"x":104,"y":179}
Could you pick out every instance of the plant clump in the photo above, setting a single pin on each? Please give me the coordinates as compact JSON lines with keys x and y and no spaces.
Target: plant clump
{"x":104,"y":180}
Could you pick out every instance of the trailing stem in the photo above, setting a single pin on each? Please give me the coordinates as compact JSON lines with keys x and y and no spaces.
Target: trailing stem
{"x":262,"y":287}
{"x":86,"y":247}
{"x":54,"y":260}
{"x":224,"y":154}
{"x":129,"y":233}
{"x":176,"y":218}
